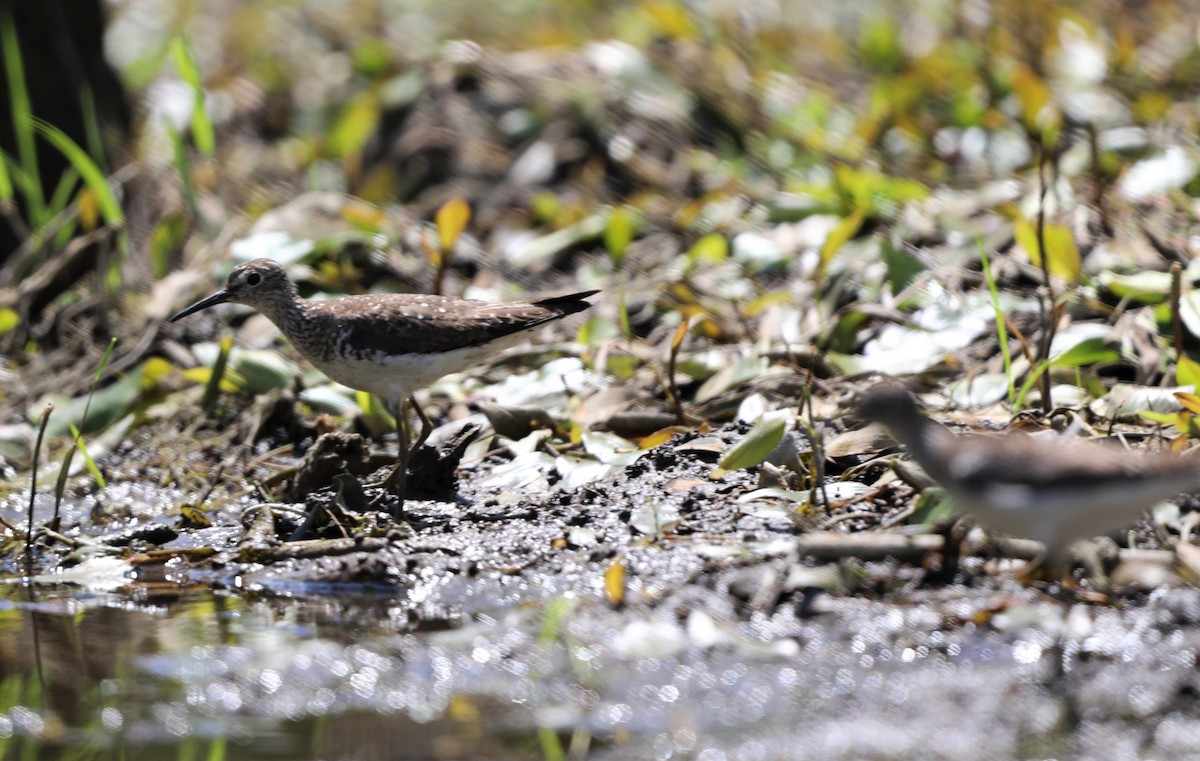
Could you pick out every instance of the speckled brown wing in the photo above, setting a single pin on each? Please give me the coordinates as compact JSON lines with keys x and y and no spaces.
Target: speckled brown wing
{"x":415,"y":324}
{"x":1048,"y":463}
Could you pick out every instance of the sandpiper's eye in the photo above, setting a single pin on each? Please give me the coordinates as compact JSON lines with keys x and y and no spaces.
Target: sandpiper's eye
{"x":253,"y":279}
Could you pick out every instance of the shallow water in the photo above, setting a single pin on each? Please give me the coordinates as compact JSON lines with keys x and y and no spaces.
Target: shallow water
{"x":155,"y":673}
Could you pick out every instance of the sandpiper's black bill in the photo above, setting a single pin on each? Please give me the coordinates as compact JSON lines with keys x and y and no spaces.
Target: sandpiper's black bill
{"x":220,"y":297}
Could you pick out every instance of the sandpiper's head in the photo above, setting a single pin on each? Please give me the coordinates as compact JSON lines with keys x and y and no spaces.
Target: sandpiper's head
{"x":261,"y":284}
{"x":889,"y":403}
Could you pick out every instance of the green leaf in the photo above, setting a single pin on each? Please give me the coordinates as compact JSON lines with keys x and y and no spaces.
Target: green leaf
{"x":166,"y":238}
{"x":375,"y":411}
{"x":1187,"y":371}
{"x":754,"y":447}
{"x":107,"y":406}
{"x":594,"y":330}
{"x":263,"y":370}
{"x":354,"y":125}
{"x":619,"y":231}
{"x":1147,"y":287}
{"x":1159,"y":418}
{"x":902,"y":267}
{"x":840,"y":236}
{"x":934,"y":506}
{"x":1090,"y":352}
{"x":880,"y":44}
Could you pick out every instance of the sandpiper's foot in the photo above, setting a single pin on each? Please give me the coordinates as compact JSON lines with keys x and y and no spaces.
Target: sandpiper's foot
{"x":394,"y":485}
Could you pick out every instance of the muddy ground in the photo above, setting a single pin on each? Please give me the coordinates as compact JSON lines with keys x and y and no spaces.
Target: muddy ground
{"x":654,"y":612}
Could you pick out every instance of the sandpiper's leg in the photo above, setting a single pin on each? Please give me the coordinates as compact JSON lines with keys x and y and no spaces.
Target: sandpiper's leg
{"x":397,"y":481}
{"x":426,"y":426}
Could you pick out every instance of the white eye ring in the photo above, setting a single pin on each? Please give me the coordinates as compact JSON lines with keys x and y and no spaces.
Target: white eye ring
{"x":253,"y":279}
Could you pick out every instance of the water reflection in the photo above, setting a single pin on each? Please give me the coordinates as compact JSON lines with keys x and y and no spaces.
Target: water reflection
{"x":149,"y":674}
{"x":209,"y":676}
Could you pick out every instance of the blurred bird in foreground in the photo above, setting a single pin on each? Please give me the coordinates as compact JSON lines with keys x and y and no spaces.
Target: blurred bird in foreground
{"x":1055,"y":491}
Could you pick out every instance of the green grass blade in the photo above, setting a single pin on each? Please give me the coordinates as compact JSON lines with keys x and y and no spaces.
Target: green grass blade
{"x":552,"y":749}
{"x":87,"y":458}
{"x":77,"y":432}
{"x":110,"y":208}
{"x":62,"y":192}
{"x":202,"y":128}
{"x":212,"y":390}
{"x":112,"y":344}
{"x":180,"y":156}
{"x":1001,"y":326}
{"x":16,"y":174}
{"x":218,"y":749}
{"x":1027,"y":386}
{"x":6,"y":185}
{"x":91,"y":126}
{"x":64,"y":471}
{"x":22,"y":115}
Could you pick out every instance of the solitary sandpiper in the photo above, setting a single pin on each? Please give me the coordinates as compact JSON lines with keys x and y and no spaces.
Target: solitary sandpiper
{"x":388,"y":344}
{"x":1056,"y":491}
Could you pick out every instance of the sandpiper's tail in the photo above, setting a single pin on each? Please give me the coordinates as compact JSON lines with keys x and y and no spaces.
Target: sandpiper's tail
{"x":565,"y":305}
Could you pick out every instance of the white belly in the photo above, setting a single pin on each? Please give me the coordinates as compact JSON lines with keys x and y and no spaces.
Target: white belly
{"x":394,"y":378}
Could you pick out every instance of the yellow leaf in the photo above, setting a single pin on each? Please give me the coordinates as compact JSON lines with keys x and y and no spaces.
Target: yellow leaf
{"x":712,"y":248}
{"x":155,"y":369}
{"x":680,"y":334}
{"x":614,"y":582}
{"x":658,"y":438}
{"x":708,"y":328}
{"x":461,"y":709}
{"x":193,"y":517}
{"x":1062,"y":254}
{"x":89,"y":209}
{"x":451,"y":220}
{"x":1190,"y":402}
{"x":9,"y":319}
{"x":672,"y":20}
{"x":840,"y":235}
{"x":364,"y":216}
{"x":1033,"y":95}
{"x":767,"y":300}
{"x":202,"y":375}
